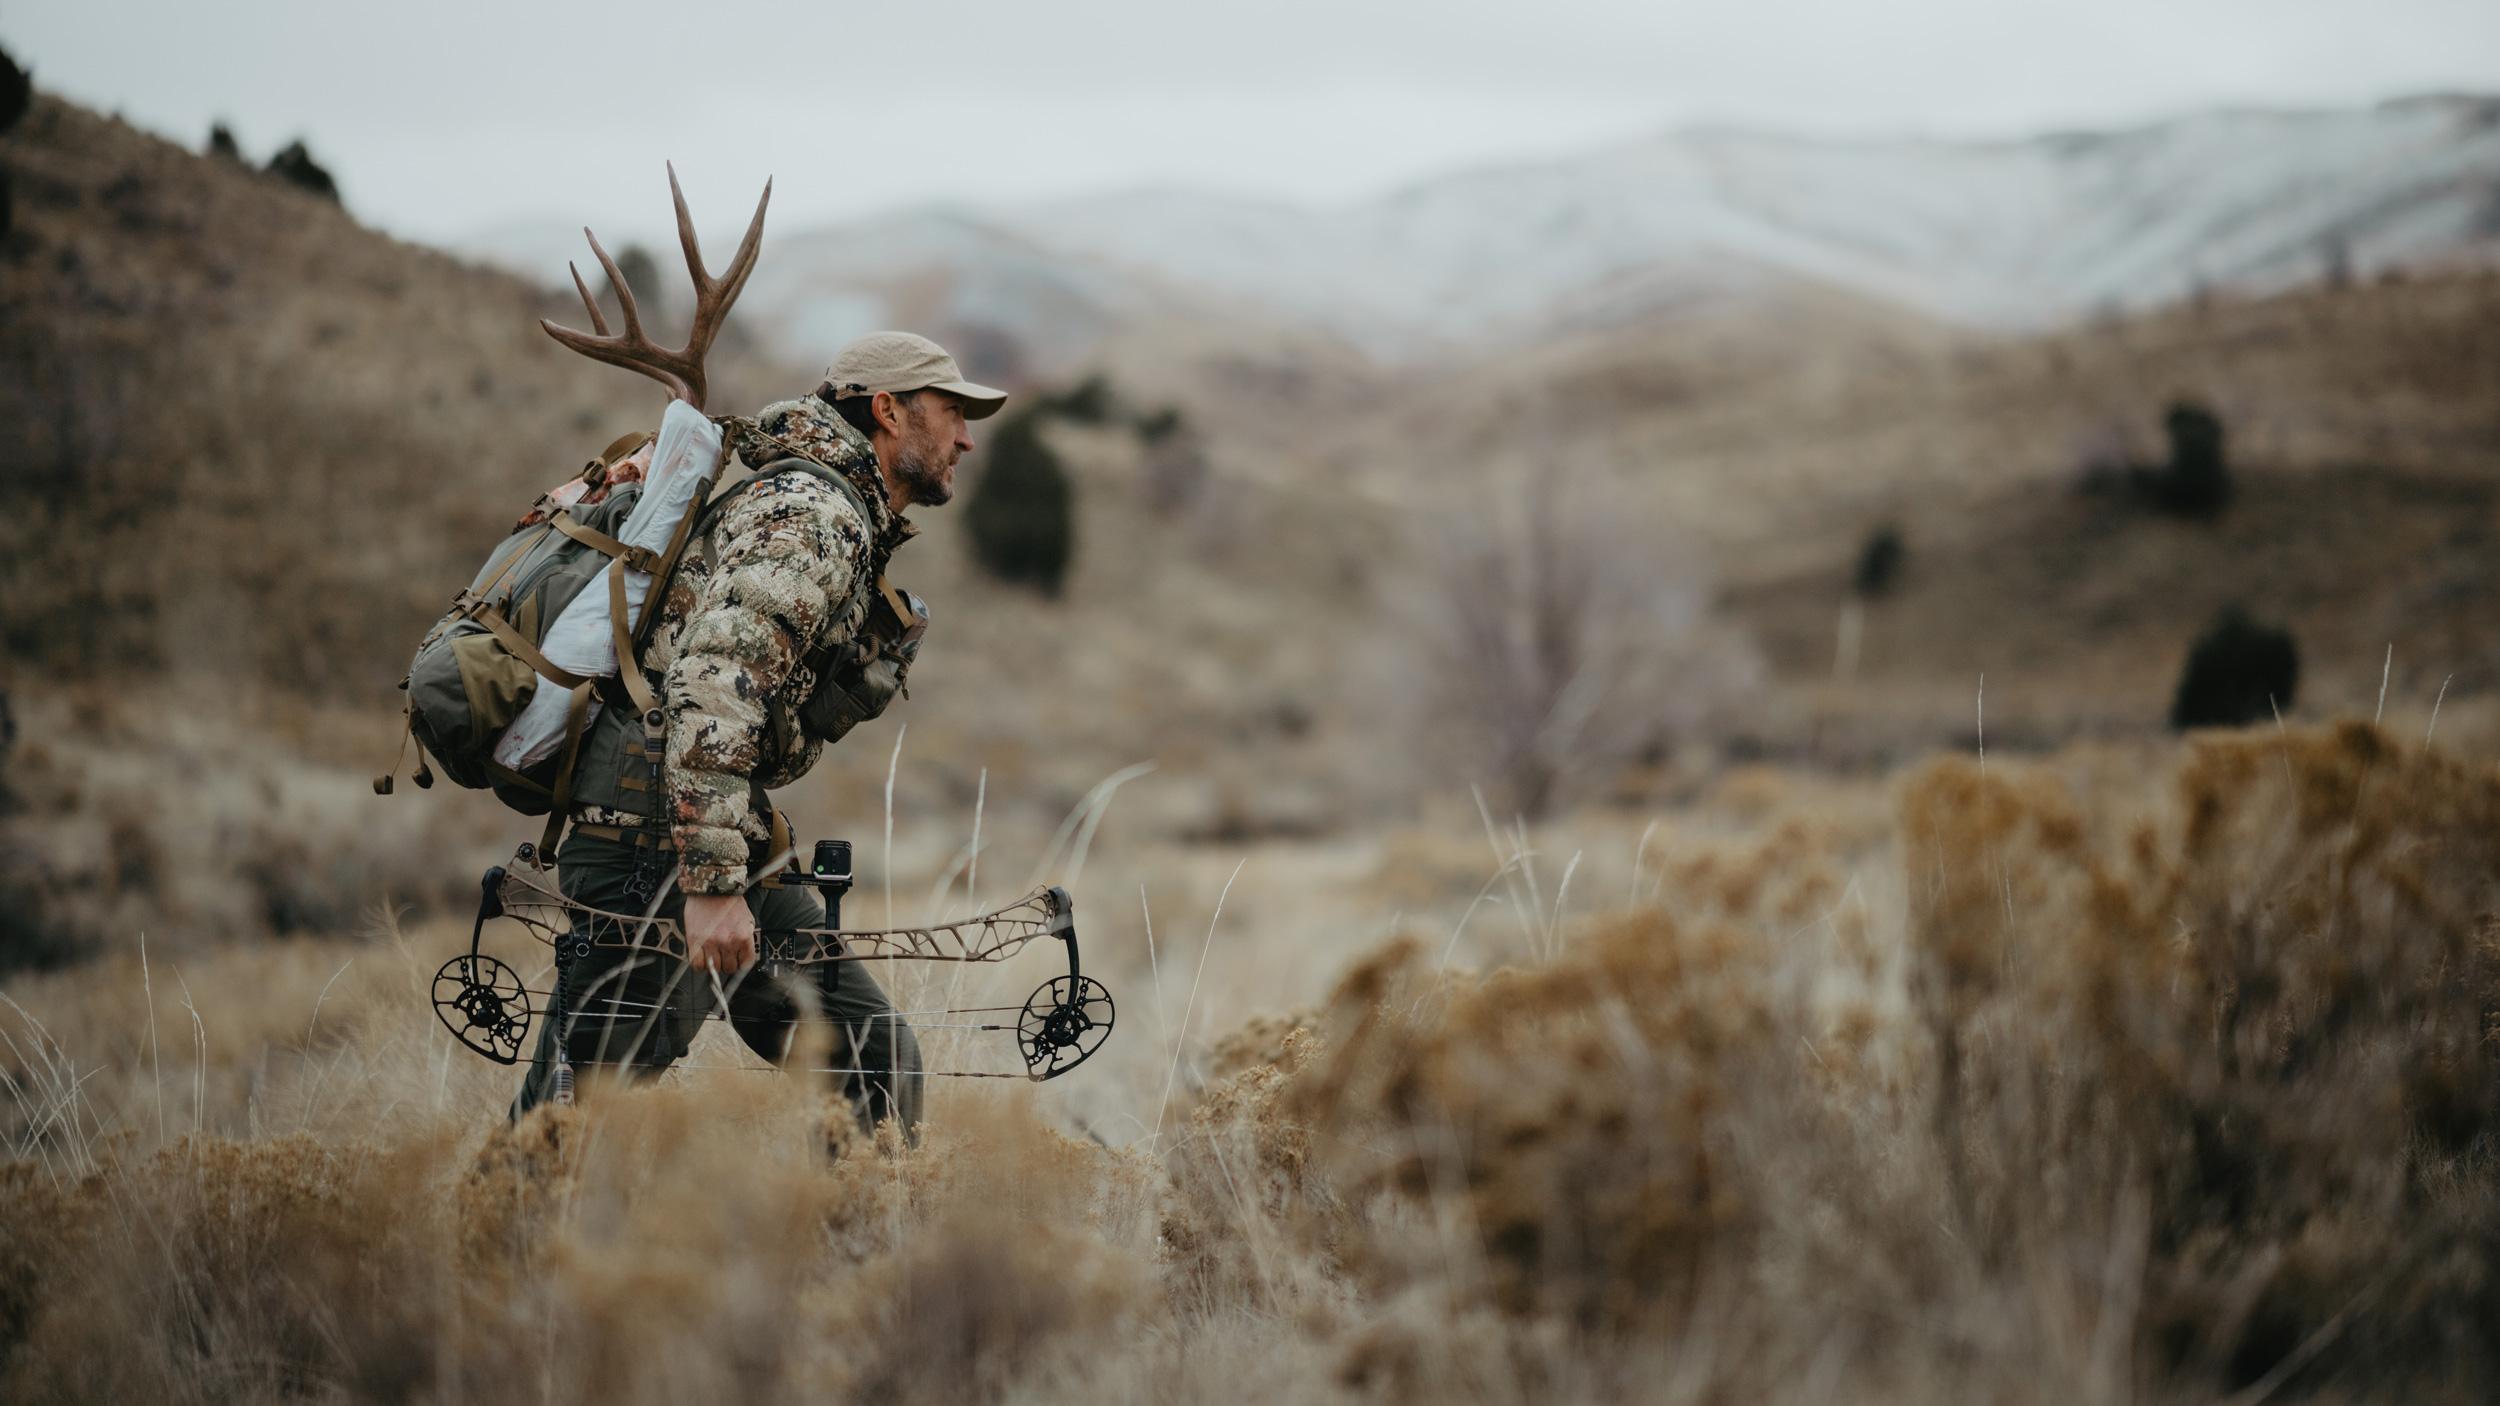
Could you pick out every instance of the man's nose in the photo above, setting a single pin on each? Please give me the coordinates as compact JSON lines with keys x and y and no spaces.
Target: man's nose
{"x":963,"y":442}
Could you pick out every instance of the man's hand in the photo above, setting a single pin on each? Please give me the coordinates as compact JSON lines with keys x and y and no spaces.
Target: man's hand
{"x":720,"y":933}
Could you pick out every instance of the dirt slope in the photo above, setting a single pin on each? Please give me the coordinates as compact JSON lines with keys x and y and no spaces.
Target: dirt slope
{"x":242,"y":428}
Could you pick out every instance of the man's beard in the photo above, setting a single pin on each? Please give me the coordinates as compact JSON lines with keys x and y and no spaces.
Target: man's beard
{"x":923,"y":486}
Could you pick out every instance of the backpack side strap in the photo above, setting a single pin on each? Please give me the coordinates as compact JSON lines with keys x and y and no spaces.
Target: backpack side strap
{"x":641,"y":559}
{"x":525,"y":651}
{"x":576,"y":723}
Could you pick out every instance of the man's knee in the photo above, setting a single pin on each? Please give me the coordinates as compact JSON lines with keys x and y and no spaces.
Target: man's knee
{"x":902,"y":1053}
{"x":881,"y":1069}
{"x":878,"y":1040}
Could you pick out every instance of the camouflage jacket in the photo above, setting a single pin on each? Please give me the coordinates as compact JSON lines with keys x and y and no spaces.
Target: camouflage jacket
{"x":786,"y":570}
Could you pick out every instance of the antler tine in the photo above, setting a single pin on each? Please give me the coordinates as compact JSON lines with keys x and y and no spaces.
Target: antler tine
{"x":624,"y":290}
{"x":598,"y":321}
{"x":686,"y":240}
{"x":742,"y":263}
{"x":714,"y":295}
{"x":681,"y":370}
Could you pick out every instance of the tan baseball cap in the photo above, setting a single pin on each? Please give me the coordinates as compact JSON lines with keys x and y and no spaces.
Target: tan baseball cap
{"x":900,"y":361}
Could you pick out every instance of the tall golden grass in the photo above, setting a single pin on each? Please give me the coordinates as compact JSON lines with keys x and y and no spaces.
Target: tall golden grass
{"x":2104,"y":1083}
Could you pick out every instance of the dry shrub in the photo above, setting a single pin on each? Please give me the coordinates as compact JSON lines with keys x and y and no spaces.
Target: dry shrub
{"x":1567,"y":1119}
{"x":1564,"y":1141}
{"x":1240,"y":1195}
{"x":1779,"y":878}
{"x":2255,"y":1041}
{"x":1013,"y":1295}
{"x":659,"y":1246}
{"x":218,"y":1269}
{"x":2162,"y":1094}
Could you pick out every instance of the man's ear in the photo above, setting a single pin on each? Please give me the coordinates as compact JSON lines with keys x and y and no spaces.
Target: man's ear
{"x":890,"y":410}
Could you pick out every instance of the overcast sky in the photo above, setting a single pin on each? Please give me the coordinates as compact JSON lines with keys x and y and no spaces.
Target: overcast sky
{"x":445,"y":118}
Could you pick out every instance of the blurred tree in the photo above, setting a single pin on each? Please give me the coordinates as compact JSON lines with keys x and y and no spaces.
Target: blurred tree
{"x":295,"y":165}
{"x":8,"y":739}
{"x":1088,"y":402}
{"x":2197,"y":480}
{"x":17,"y":94}
{"x":1879,"y":563}
{"x":221,"y":142}
{"x":17,"y":91}
{"x":1559,"y":642}
{"x":2238,"y":672}
{"x":1021,"y":522}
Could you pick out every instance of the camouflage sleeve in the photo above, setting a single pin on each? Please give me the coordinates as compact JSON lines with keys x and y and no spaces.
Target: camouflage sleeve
{"x":785,"y":554}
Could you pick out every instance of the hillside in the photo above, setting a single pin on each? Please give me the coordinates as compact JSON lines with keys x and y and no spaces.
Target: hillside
{"x":253,"y":449}
{"x":246,"y":433}
{"x":261,"y":444}
{"x":2364,"y":431}
{"x":261,"y":439}
{"x":1776,"y":428}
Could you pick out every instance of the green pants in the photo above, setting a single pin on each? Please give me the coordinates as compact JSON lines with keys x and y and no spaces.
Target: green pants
{"x":634,"y":1012}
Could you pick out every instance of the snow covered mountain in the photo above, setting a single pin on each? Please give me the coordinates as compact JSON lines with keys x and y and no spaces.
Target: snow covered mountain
{"x":2011,"y":234}
{"x":2002,"y":234}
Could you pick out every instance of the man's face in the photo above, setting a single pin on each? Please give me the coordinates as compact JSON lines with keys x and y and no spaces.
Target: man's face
{"x":933,"y":435}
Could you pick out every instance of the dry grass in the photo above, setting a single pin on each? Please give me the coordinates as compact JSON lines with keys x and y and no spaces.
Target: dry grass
{"x":2059,"y":1086}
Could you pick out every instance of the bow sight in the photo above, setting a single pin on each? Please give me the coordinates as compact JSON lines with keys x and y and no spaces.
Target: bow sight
{"x":486,"y":1006}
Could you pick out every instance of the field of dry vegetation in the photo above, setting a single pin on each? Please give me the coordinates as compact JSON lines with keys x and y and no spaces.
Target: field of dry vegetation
{"x":2108,"y":1076}
{"x":2091,"y":1065}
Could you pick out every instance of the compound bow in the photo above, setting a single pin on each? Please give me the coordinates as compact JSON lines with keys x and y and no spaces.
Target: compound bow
{"x":486,"y":1006}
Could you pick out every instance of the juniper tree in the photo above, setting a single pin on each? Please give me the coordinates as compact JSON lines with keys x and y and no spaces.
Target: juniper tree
{"x":295,"y":166}
{"x":1021,"y":520}
{"x":1879,"y":563}
{"x":2196,"y":482}
{"x":17,"y":91}
{"x":2238,"y":672}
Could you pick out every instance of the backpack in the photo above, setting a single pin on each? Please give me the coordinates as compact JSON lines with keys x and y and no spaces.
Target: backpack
{"x":480,"y":663}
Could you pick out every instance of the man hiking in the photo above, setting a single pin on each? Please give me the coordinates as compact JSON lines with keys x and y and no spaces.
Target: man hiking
{"x":780,"y":590}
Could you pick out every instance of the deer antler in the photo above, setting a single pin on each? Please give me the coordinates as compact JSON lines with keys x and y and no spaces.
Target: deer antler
{"x":680,"y":370}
